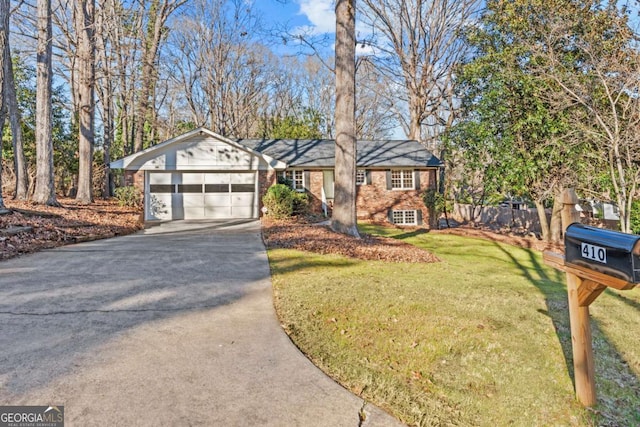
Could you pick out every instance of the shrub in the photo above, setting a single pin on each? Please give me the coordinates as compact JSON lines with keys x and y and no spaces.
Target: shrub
{"x":434,"y":201}
{"x":283,"y":202}
{"x":300,"y":203}
{"x":128,"y":196}
{"x":635,"y":217}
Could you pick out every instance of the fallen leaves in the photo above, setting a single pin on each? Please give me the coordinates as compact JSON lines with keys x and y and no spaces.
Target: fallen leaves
{"x":320,"y":239}
{"x":30,"y":228}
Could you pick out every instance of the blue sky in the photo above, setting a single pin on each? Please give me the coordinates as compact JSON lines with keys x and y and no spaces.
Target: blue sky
{"x":315,"y":15}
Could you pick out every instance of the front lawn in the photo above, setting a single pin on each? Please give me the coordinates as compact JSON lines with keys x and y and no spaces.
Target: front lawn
{"x":481,"y":338}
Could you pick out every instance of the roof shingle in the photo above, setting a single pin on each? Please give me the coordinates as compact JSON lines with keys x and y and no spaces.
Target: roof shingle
{"x":320,"y":153}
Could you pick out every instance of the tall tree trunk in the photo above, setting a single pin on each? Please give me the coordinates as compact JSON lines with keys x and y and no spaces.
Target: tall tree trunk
{"x":344,"y":219}
{"x":15,"y":119}
{"x":85,"y":52}
{"x":556,"y":218}
{"x":45,"y":184}
{"x":542,"y":217}
{"x":152,"y":37}
{"x":4,"y":40}
{"x":104,"y":86}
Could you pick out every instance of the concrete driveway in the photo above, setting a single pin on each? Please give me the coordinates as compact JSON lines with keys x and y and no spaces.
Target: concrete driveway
{"x":171,"y":326}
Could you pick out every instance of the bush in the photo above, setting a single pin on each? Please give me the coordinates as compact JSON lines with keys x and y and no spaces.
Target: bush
{"x":635,"y":217}
{"x":128,"y":196}
{"x":434,"y":201}
{"x":283,"y":202}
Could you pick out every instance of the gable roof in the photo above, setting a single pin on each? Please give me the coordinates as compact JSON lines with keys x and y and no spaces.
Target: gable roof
{"x":320,"y":153}
{"x":133,"y":161}
{"x":311,"y":153}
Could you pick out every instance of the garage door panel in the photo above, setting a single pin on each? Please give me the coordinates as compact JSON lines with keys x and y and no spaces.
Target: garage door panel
{"x":242,"y":199}
{"x":217,"y":212}
{"x":191,"y":200}
{"x":242,"y":212}
{"x":200,"y":195}
{"x":191,"y":178}
{"x":160,"y":206}
{"x":217,"y":200}
{"x":193,"y":212}
{"x":160,"y":178}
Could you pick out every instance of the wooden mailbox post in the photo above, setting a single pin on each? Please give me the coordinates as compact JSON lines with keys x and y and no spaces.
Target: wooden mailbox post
{"x":584,"y":285}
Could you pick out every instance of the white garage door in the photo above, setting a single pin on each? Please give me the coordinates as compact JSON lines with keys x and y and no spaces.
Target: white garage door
{"x":201,"y":195}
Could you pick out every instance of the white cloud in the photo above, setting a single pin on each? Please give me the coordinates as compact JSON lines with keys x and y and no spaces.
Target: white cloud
{"x":321,"y":14}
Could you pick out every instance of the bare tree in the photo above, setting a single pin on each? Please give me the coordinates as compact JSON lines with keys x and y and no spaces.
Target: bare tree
{"x":344,"y":219}
{"x":417,"y":44}
{"x":105,"y":82}
{"x":45,"y":186}
{"x":19,"y":160}
{"x":222,"y":69}
{"x":153,"y":34}
{"x":4,"y":40}
{"x":85,"y":64}
{"x":374,"y":112}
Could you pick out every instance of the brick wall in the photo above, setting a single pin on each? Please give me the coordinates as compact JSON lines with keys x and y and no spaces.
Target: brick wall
{"x":374,"y":200}
{"x":135,"y":178}
{"x":266,"y":178}
{"x":316,"y":180}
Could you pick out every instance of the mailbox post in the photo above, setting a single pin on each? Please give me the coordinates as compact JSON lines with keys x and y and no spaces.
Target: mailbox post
{"x":594,"y":260}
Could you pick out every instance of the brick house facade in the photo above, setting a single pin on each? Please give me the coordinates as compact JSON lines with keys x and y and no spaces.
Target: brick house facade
{"x":204,"y":175}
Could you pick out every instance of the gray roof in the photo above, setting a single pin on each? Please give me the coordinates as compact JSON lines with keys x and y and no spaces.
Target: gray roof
{"x":320,"y":153}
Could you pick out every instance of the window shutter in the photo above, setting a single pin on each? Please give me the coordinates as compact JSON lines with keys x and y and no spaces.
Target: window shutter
{"x":390,"y":216}
{"x":389,"y":180}
{"x":367,"y":177}
{"x":307,"y":180}
{"x":416,"y":179}
{"x":419,"y":216}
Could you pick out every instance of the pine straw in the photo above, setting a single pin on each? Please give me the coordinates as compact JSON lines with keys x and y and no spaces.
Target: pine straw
{"x":319,"y":238}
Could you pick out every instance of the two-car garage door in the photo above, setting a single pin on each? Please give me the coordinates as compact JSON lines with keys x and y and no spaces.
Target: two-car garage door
{"x":201,"y":195}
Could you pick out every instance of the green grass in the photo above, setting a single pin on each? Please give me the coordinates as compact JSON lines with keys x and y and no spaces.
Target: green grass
{"x":479,"y":339}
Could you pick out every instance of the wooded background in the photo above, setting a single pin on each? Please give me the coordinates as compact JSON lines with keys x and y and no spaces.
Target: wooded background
{"x":520,"y":98}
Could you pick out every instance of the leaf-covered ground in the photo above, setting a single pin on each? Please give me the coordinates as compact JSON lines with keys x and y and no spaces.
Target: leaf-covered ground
{"x":28,"y":227}
{"x":319,"y":238}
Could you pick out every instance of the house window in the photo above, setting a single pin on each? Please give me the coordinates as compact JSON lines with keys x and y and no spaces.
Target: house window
{"x":402,"y":179}
{"x":295,"y":179}
{"x":404,"y":217}
{"x":361,"y":177}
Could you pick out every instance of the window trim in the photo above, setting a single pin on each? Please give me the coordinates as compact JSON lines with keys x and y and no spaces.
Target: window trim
{"x":403,"y":214}
{"x":292,"y":180}
{"x":406,"y":176}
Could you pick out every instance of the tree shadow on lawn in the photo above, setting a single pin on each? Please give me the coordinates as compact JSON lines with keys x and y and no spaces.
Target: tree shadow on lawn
{"x":290,"y":264}
{"x":611,"y":397}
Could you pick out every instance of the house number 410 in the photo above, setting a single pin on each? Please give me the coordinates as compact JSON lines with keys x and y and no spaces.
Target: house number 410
{"x":595,"y":253}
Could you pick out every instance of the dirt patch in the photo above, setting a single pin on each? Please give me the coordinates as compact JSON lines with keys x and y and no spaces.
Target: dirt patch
{"x":319,"y":238}
{"x":28,"y":227}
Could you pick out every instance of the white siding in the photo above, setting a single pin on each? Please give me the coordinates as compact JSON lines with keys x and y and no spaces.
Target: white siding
{"x":201,"y":153}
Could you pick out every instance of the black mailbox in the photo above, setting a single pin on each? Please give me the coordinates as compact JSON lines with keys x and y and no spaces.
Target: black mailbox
{"x":610,"y":252}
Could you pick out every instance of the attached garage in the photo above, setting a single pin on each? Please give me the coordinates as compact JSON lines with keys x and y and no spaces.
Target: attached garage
{"x":203,"y":175}
{"x":201,"y":195}
{"x":199,"y":175}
